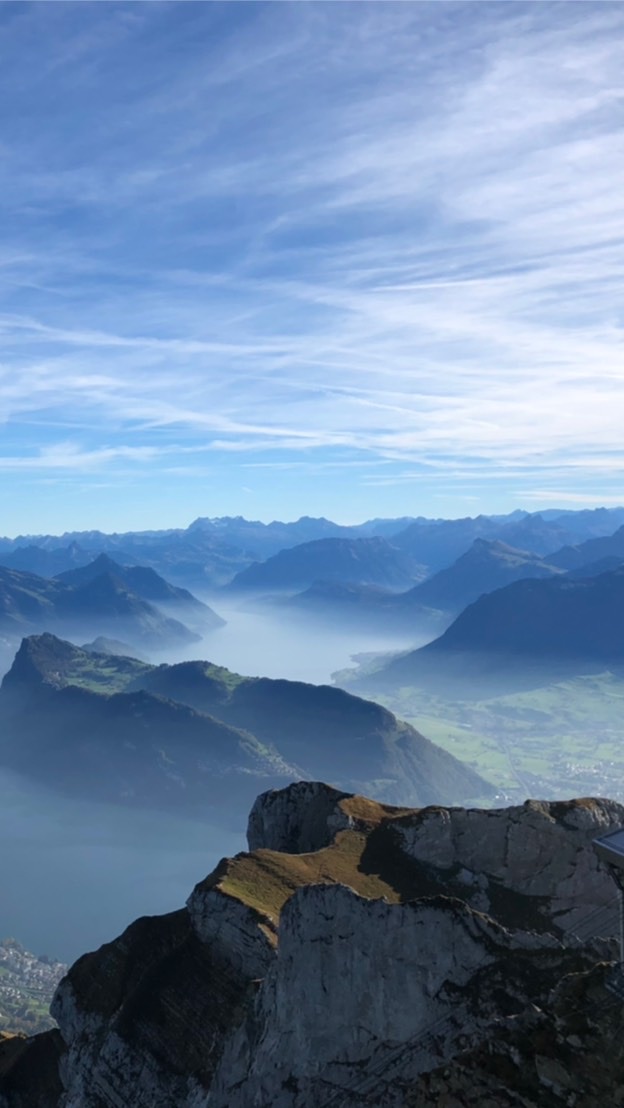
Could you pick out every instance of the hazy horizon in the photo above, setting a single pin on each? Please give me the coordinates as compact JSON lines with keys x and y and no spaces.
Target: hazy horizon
{"x":409,"y":511}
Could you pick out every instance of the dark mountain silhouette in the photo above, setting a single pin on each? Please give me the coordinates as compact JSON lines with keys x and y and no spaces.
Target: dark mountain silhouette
{"x":594,"y":569}
{"x":45,"y":563}
{"x":145,"y":583}
{"x":370,"y":561}
{"x":66,"y":725}
{"x":429,"y":606}
{"x":29,"y":603}
{"x":111,"y":726}
{"x":557,"y":618}
{"x":486,"y":566}
{"x":530,"y":630}
{"x":593,"y":550}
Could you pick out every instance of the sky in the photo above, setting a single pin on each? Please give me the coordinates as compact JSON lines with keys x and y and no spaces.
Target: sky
{"x":340,"y":259}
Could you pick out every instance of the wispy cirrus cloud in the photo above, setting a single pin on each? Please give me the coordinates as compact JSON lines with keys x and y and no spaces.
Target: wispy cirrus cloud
{"x":384,"y":239}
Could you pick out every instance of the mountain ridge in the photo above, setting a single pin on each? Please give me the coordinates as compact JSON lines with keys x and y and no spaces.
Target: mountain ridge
{"x":144,"y":582}
{"x":368,"y":561}
{"x":171,"y":726}
{"x":209,"y":552}
{"x":546,"y":627}
{"x":32,"y":603}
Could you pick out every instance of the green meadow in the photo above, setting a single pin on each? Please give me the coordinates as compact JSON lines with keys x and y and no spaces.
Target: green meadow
{"x":560,"y":740}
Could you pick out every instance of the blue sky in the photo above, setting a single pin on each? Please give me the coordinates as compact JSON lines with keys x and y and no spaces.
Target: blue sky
{"x":309,"y":258}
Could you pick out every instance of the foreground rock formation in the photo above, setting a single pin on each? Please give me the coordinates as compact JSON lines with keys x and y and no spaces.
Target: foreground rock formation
{"x":359,"y":954}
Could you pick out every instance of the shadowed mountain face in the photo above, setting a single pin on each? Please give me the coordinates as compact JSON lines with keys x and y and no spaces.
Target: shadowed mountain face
{"x":194,"y":735}
{"x":30,"y":603}
{"x":591,"y":551}
{"x":528,"y":630}
{"x":559,"y":618}
{"x":485,"y":567}
{"x":67,"y":723}
{"x":371,"y":561}
{"x":488,"y":565}
{"x":45,"y":563}
{"x":148,"y":585}
{"x":594,"y":569}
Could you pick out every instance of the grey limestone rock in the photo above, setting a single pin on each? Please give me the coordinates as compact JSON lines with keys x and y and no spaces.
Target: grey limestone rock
{"x":298,"y":979}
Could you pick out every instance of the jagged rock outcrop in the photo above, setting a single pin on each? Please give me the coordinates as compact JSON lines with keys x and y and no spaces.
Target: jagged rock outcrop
{"x":379,"y":951}
{"x":532,"y":863}
{"x":308,"y":815}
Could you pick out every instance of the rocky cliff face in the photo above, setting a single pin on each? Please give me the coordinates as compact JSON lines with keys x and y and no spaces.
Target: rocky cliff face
{"x":357,"y":954}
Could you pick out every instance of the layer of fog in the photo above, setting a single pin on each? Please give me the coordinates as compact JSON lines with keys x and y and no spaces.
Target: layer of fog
{"x":274,"y":643}
{"x":74,"y":874}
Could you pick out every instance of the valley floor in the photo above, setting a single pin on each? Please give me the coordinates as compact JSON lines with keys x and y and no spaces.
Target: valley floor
{"x":557,"y":741}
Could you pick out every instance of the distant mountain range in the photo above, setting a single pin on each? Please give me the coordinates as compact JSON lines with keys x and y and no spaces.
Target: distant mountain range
{"x":592,"y":551}
{"x":437,"y":544}
{"x":368,"y":561}
{"x":205,"y":555}
{"x":210,"y":552}
{"x":534,"y":630}
{"x":487,"y":565}
{"x":44,"y":562}
{"x":194,"y":736}
{"x":387,"y":584}
{"x":105,"y":597}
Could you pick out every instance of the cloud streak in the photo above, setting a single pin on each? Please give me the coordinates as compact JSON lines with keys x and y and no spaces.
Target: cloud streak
{"x":361,"y":236}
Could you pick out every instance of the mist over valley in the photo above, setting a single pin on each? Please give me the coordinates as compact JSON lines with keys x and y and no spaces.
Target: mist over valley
{"x":75,"y":872}
{"x":545,"y":722}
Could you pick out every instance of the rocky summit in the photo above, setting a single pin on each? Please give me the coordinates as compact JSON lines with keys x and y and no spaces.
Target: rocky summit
{"x":358,"y":954}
